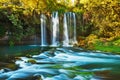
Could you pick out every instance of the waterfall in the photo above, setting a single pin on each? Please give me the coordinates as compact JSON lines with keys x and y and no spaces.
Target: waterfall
{"x":55,"y":29}
{"x":65,"y":31}
{"x":74,"y":20}
{"x":69,"y":29}
{"x":68,"y":32}
{"x":43,"y":30}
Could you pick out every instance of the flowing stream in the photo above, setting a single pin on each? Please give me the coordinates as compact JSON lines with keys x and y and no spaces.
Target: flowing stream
{"x":64,"y":63}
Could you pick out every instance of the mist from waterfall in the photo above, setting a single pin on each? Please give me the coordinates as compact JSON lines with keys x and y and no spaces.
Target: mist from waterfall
{"x":43,"y":30}
{"x":55,"y":29}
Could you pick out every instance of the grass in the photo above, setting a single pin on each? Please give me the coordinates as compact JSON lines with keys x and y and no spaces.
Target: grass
{"x":107,"y":48}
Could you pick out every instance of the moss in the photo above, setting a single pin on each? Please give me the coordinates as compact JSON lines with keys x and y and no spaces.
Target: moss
{"x":113,"y":49}
{"x":12,"y":66}
{"x":32,"y":61}
{"x":107,"y":47}
{"x":92,"y":42}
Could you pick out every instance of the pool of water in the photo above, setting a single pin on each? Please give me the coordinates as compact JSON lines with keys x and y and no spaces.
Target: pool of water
{"x":62,"y":63}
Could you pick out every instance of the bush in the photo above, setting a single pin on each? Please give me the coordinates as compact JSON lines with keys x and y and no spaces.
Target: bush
{"x":2,"y":31}
{"x":91,"y":39}
{"x":117,"y":42}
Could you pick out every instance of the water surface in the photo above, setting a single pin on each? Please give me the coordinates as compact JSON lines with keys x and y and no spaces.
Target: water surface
{"x":62,"y":64}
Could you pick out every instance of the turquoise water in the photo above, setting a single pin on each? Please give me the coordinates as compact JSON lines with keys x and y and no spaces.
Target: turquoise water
{"x":71,"y":63}
{"x":16,"y":49}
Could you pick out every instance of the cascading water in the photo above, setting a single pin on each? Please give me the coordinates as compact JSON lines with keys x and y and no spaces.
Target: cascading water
{"x":43,"y":30}
{"x":65,"y":32}
{"x":55,"y":29}
{"x":69,"y":29}
{"x":63,"y":64}
{"x":74,"y":20}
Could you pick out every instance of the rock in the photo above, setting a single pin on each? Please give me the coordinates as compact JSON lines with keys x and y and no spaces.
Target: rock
{"x":37,"y":77}
{"x":32,"y":61}
{"x":5,"y":70}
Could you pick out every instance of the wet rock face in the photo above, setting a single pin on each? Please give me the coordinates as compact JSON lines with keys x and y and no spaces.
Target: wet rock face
{"x":64,"y":64}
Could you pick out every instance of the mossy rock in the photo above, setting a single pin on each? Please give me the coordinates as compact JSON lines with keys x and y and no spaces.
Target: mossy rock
{"x":32,"y":61}
{"x":12,"y":66}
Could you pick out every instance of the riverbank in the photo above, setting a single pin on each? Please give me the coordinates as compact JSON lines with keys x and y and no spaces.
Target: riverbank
{"x":107,"y":48}
{"x":101,"y":44}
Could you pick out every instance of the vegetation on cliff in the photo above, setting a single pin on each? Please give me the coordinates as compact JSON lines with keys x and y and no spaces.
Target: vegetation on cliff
{"x":98,"y":21}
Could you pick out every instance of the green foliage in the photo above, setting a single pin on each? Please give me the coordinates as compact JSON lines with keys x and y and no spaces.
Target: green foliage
{"x":117,"y":42}
{"x":11,"y":43}
{"x":2,"y":31}
{"x":24,"y":15}
{"x":21,"y":18}
{"x":105,"y":19}
{"x":17,"y":28}
{"x":107,"y":48}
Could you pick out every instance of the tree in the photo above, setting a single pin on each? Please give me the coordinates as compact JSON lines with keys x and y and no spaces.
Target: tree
{"x":105,"y":17}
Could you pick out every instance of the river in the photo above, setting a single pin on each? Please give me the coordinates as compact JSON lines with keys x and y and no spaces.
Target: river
{"x":61,"y":63}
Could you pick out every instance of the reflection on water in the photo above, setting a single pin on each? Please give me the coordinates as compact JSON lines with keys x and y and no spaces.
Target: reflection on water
{"x":63,"y":64}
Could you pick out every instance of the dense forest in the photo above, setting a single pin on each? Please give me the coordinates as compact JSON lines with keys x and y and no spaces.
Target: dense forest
{"x":99,"y":19}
